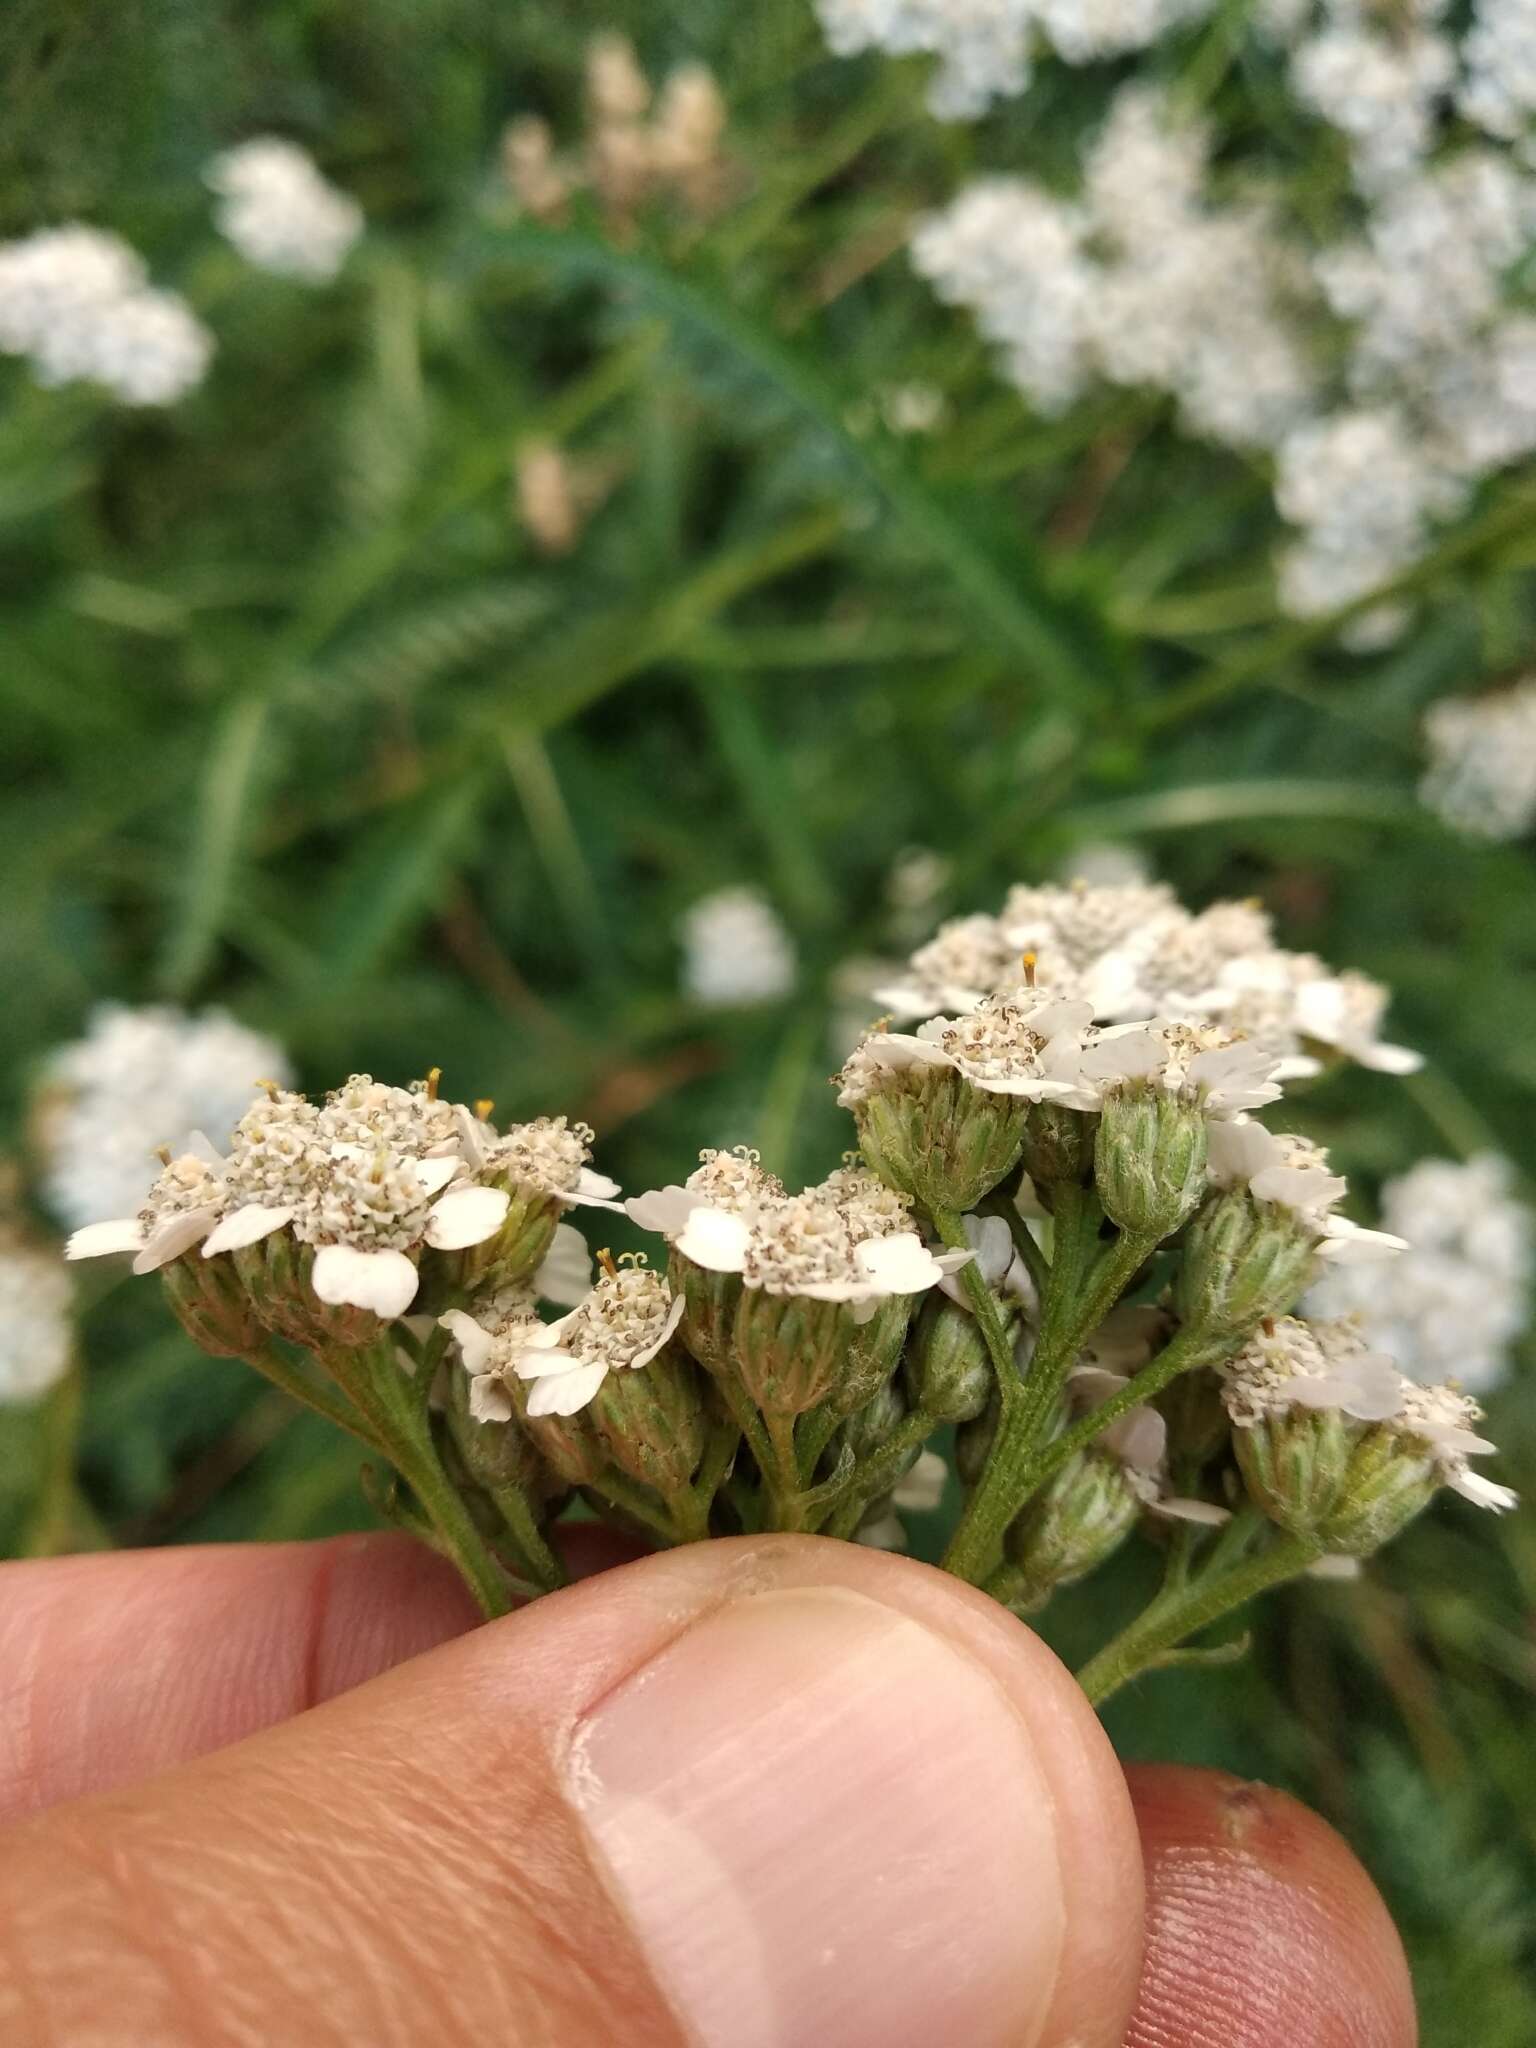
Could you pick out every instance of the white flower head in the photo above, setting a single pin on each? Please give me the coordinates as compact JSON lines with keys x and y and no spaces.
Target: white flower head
{"x":627,"y":1319}
{"x":280,"y":213}
{"x":733,"y":1183}
{"x":737,"y":950}
{"x":36,"y":1333}
{"x":77,"y":303}
{"x":830,"y":1243}
{"x":1482,"y":762}
{"x":1291,"y":1363}
{"x":1293,"y":1172}
{"x":1204,"y":1064}
{"x":1457,"y":1303}
{"x":184,"y":1203}
{"x":140,"y":1080}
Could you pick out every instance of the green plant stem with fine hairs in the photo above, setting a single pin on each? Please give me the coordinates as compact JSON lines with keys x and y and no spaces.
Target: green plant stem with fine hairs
{"x":1191,"y":1347}
{"x":1173,"y":1617}
{"x":1079,"y":1294}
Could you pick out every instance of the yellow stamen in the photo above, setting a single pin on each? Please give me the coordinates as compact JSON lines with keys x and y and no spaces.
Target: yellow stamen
{"x":434,"y":1075}
{"x":1029,"y":963}
{"x":605,"y":1260}
{"x":483,"y":1108}
{"x":272,"y":1089}
{"x":163,"y":1154}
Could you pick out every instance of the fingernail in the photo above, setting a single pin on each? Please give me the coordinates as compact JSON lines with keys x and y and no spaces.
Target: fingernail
{"x":828,"y":1827}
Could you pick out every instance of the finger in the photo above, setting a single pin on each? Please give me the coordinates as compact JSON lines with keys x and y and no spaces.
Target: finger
{"x":1263,"y":1931}
{"x":116,"y":1666}
{"x":756,"y":1793}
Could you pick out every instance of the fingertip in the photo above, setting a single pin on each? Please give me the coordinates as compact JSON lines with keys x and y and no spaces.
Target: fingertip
{"x":1262,"y":1926}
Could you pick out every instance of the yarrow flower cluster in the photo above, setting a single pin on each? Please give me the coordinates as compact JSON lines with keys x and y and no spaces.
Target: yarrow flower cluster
{"x":1065,"y":1235}
{"x":984,"y":48}
{"x":736,"y":950}
{"x":77,"y":303}
{"x":1462,"y":1295}
{"x":1153,"y":274}
{"x":1131,"y":951}
{"x":280,"y":213}
{"x":1482,"y":761}
{"x":139,"y":1080}
{"x":36,"y":1328}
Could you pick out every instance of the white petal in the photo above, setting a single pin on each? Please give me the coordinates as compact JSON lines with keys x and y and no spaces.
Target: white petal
{"x":177,"y":1234}
{"x":1307,"y":1189}
{"x":489,"y":1400}
{"x":596,"y":1187}
{"x":244,"y":1226}
{"x":540,"y":1362}
{"x":125,"y":1234}
{"x":1238,"y":1149}
{"x":466,"y":1216}
{"x":1377,"y":1387}
{"x":565,"y":1272}
{"x":1335,"y":1567}
{"x":1388,"y":1059}
{"x":716,"y":1240}
{"x":1485,"y":1493}
{"x":922,"y":1489}
{"x":475,"y":1343}
{"x":1125,"y":1055}
{"x":1138,"y":1438}
{"x":475,"y":1138}
{"x":901,"y":1264}
{"x":1347,"y":1244}
{"x":435,"y":1173}
{"x":1204,"y":1513}
{"x":567,"y":1392}
{"x":664,"y":1210}
{"x":200,"y":1146}
{"x":348,"y":1278}
{"x":674,"y":1317}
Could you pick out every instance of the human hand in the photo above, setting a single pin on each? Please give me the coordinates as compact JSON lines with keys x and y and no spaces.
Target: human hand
{"x":776,"y":1793}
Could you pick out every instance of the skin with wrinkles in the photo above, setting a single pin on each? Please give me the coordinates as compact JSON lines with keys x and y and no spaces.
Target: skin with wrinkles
{"x":406,"y":1863}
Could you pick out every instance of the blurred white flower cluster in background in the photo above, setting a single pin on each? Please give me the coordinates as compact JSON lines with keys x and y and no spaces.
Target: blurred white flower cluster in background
{"x":280,"y":213}
{"x":36,"y":1335}
{"x":77,"y":303}
{"x":1482,"y":761}
{"x":1460,"y":1297}
{"x":1162,"y":273}
{"x":138,"y":1080}
{"x":736,"y":950}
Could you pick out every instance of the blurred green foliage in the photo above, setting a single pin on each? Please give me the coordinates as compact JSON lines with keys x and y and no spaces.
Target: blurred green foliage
{"x":295,"y":719}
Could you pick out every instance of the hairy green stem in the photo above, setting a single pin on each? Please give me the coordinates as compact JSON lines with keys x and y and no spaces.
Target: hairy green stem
{"x":1170,"y":1620}
{"x":634,"y":1500}
{"x":316,"y":1394}
{"x":989,"y":1317}
{"x":1079,"y":1295}
{"x":1191,"y":1347}
{"x":544,"y":1566}
{"x":878,"y":1474}
{"x":815,"y":1432}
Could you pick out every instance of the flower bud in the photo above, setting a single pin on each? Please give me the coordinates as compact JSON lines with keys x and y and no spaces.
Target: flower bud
{"x":1058,"y":1146}
{"x":1149,"y":1158}
{"x":494,"y":1453}
{"x":937,"y":1138}
{"x":710,"y":1301}
{"x":1076,"y":1521}
{"x":275,"y":1273}
{"x":506,"y":1259}
{"x":1390,"y":1478}
{"x":1294,"y":1464}
{"x":652,"y":1420}
{"x":211,"y":1305}
{"x":947,"y":1370}
{"x":570,"y":1444}
{"x":870,"y":1427}
{"x":1243,"y":1260}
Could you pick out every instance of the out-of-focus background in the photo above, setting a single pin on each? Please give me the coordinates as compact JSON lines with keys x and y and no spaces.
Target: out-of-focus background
{"x":564,"y":577}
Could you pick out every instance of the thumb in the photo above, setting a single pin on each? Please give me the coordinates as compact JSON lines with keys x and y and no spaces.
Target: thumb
{"x":755,"y":1793}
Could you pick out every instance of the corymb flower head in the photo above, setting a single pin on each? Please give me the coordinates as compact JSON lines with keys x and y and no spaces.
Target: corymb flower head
{"x":1336,"y":1446}
{"x":341,"y":1202}
{"x":942,"y":1112}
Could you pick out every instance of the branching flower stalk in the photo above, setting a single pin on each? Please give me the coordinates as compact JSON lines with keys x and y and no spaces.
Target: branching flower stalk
{"x":1065,"y":1234}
